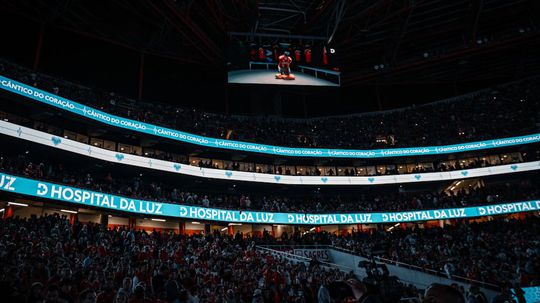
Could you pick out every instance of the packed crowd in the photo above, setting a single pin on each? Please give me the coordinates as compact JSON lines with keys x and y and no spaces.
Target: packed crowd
{"x":393,"y":169}
{"x":422,"y":166}
{"x":496,"y":252}
{"x":49,"y":259}
{"x":148,"y":188}
{"x":502,"y":111}
{"x":503,"y":251}
{"x":46,"y":259}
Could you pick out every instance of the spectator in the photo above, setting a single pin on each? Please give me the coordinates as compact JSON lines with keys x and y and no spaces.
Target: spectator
{"x":443,"y":293}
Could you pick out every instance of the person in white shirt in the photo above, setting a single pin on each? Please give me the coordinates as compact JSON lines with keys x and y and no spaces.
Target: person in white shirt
{"x":323,"y":295}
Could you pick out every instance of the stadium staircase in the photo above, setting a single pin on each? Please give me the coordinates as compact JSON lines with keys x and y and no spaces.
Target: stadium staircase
{"x":348,"y":261}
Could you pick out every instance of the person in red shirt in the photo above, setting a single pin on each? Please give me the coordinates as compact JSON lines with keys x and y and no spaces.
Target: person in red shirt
{"x":284,"y":64}
{"x":262,"y":55}
{"x":253,"y":54}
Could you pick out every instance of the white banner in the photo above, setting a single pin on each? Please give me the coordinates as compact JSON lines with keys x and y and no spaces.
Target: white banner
{"x":36,"y":136}
{"x":318,"y":254}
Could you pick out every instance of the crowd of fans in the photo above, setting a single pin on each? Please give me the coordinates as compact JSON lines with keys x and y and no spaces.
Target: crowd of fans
{"x":393,"y":169}
{"x":496,"y":252}
{"x":148,"y":188}
{"x":422,"y":166}
{"x":503,"y":251}
{"x":502,"y":111}
{"x":46,"y":259}
{"x":50,"y":259}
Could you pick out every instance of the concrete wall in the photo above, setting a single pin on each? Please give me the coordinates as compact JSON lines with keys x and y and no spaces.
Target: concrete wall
{"x":191,"y":228}
{"x":149,"y":225}
{"x":118,"y":221}
{"x":280,"y":229}
{"x":86,"y":218}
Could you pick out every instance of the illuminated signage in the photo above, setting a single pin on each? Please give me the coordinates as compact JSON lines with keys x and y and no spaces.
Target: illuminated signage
{"x":83,"y":197}
{"x":103,"y":117}
{"x":73,"y":146}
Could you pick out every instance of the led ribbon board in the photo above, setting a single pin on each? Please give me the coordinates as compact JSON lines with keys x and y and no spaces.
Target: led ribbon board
{"x":532,"y":294}
{"x":73,"y":146}
{"x":103,"y":117}
{"x":83,"y":197}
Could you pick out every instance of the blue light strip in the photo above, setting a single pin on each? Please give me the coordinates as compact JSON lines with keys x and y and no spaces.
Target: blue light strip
{"x":83,"y":197}
{"x":103,"y":117}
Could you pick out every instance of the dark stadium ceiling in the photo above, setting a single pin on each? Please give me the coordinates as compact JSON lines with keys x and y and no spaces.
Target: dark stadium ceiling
{"x":416,"y":41}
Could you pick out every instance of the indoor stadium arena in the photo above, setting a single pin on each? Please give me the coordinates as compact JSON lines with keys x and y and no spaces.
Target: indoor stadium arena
{"x":270,"y":151}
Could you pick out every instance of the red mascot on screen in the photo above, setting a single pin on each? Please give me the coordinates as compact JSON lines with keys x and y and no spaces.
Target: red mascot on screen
{"x":284,"y":67}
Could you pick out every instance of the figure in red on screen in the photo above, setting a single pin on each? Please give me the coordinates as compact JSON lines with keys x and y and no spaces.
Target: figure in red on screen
{"x":284,"y":67}
{"x":307,"y":55}
{"x":298,"y":55}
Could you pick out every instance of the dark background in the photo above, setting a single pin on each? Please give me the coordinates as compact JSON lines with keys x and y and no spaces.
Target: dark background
{"x":182,"y":45}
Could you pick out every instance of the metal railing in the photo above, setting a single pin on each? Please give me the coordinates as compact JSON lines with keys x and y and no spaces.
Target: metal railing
{"x":419,"y":268}
{"x":261,"y":63}
{"x":298,"y":258}
{"x":285,"y":246}
{"x":323,"y":71}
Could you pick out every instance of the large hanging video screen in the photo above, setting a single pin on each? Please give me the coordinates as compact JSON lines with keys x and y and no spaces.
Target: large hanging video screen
{"x":312,"y":63}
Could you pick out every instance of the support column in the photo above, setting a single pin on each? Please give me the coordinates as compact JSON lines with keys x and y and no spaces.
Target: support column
{"x":226,"y":99}
{"x":278,"y":103}
{"x":257,"y":100}
{"x":132,"y":223}
{"x":37,"y":55}
{"x":141,"y":77}
{"x":182,"y":227}
{"x":304,"y":106}
{"x":378,"y":96}
{"x":104,"y":221}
